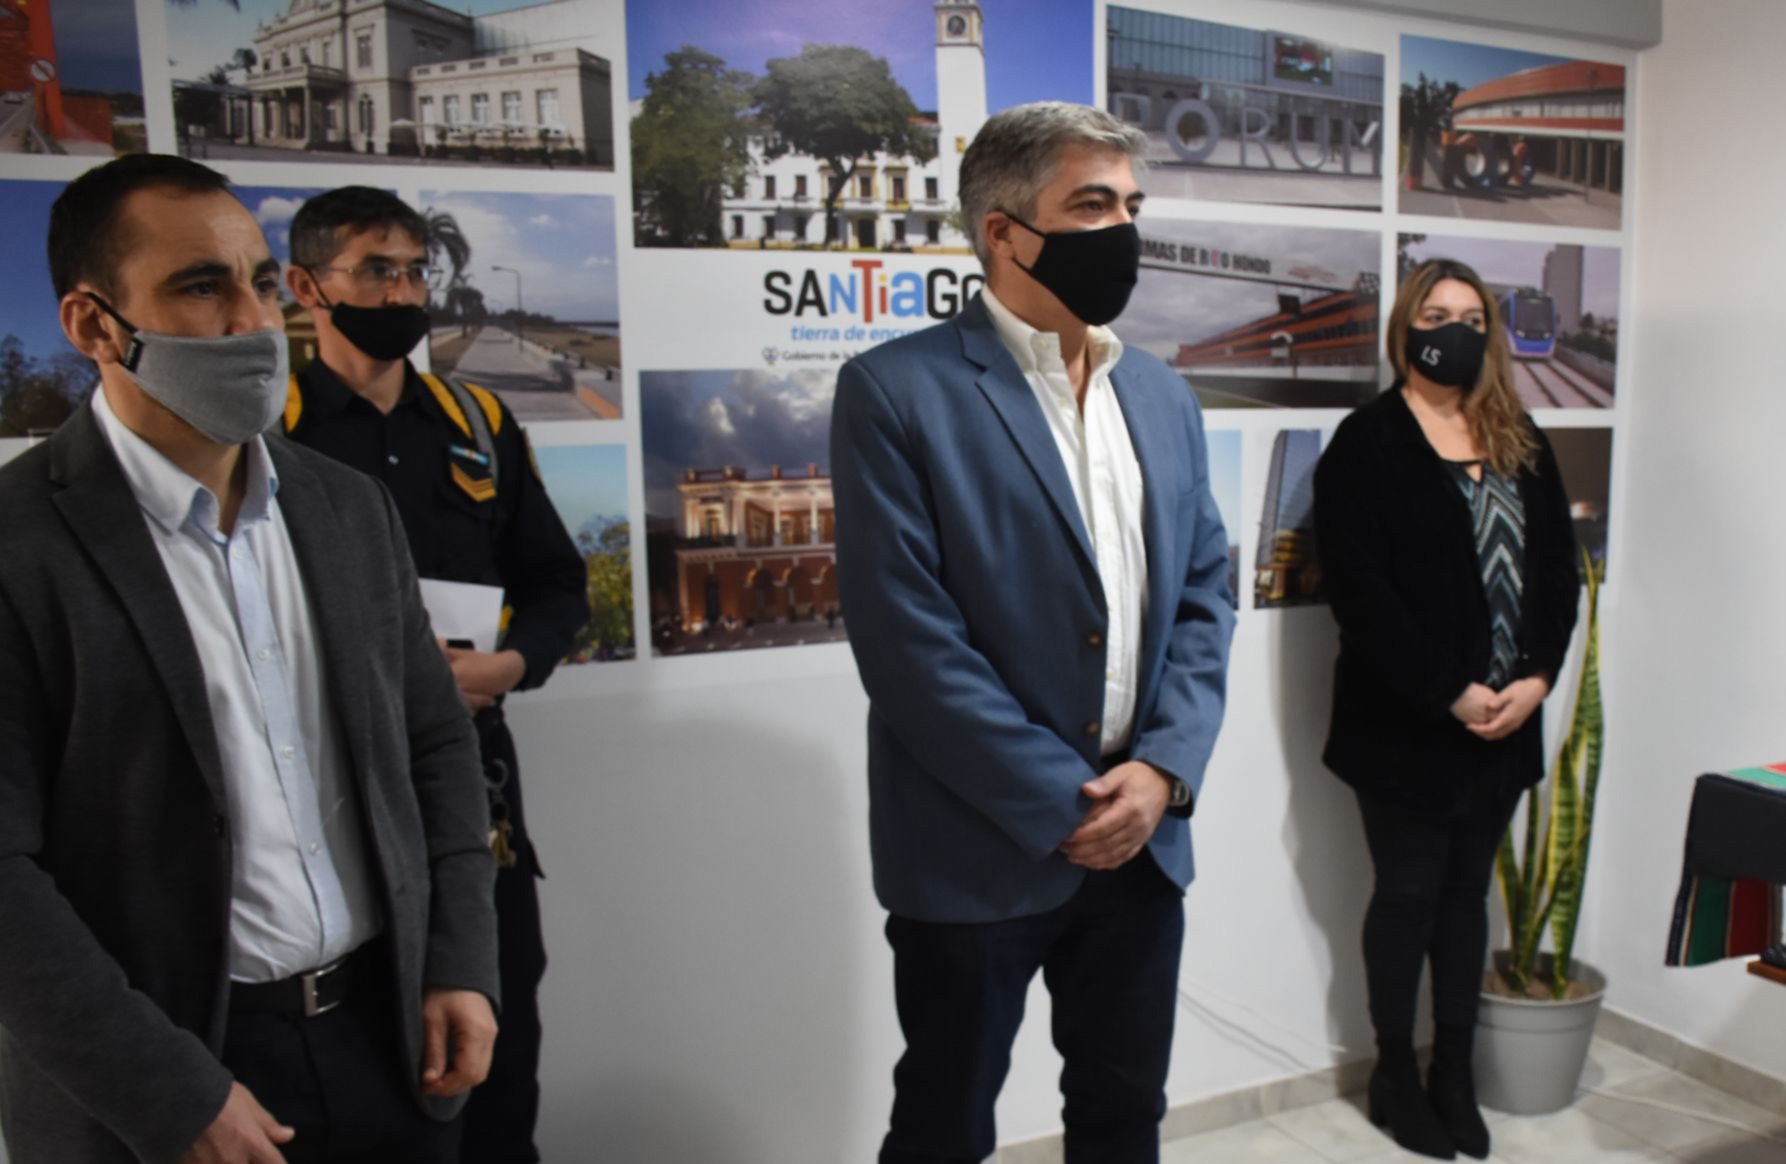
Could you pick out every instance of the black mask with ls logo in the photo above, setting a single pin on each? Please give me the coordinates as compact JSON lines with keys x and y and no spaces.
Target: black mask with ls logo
{"x":1451,"y":355}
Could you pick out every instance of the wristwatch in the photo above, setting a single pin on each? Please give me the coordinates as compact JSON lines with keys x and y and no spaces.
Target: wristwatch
{"x":1180,"y":804}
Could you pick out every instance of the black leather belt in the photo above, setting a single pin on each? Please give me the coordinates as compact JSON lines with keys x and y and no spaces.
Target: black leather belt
{"x":304,"y":995}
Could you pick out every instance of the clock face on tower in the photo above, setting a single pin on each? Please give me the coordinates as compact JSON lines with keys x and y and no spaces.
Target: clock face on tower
{"x":957,"y":25}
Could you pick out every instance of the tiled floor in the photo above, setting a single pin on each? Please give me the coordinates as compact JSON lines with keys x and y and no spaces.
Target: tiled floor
{"x":1612,"y":1122}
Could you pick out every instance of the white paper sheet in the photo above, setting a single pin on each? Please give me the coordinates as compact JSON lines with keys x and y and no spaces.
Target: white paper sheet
{"x":464,"y":610}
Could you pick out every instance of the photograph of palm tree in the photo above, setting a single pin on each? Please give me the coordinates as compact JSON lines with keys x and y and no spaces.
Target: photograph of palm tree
{"x":531,"y":304}
{"x":1510,"y":136}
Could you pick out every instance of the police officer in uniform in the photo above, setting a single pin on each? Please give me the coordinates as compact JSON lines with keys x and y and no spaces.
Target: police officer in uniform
{"x":474,"y":510}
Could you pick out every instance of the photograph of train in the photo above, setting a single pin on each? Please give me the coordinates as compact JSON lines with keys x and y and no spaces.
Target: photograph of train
{"x":1559,"y":303}
{"x":1495,"y":133}
{"x":1259,"y":316}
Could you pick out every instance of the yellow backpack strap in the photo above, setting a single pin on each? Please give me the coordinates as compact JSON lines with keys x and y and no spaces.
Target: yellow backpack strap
{"x":476,"y":413}
{"x":294,"y":405}
{"x":487,"y":401}
{"x":448,"y":401}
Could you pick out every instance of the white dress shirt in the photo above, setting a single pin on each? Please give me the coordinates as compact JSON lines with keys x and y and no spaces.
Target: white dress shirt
{"x":301,"y":893}
{"x":1100,"y":460}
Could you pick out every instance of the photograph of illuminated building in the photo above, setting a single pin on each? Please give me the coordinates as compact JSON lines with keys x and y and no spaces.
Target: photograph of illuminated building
{"x":70,"y":82}
{"x":1246,"y":114}
{"x":1559,"y":304}
{"x":1512,"y":136}
{"x":1259,"y":316}
{"x":740,"y":524}
{"x":1286,"y":566}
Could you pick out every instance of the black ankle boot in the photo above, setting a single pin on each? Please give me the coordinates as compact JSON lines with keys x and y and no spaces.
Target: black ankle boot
{"x":1451,"y":1085}
{"x":1398,"y":1102}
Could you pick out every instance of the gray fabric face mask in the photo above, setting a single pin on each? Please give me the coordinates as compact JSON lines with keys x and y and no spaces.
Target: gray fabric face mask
{"x":230,"y":388}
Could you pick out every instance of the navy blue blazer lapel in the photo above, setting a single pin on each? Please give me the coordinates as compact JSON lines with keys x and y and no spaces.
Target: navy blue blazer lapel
{"x":103,"y":515}
{"x":333,"y":586}
{"x":1151,"y":430}
{"x":1002,"y":382}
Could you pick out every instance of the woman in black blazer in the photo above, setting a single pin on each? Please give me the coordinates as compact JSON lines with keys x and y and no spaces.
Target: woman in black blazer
{"x":1449,"y":560}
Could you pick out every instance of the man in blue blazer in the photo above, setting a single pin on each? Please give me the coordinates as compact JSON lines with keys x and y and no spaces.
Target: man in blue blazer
{"x":1035,"y":578}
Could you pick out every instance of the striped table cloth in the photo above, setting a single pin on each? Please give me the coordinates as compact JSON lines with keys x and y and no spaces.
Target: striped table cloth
{"x":1735,"y":864}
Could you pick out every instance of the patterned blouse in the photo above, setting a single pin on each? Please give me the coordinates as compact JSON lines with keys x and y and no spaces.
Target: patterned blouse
{"x":1498,"y":517}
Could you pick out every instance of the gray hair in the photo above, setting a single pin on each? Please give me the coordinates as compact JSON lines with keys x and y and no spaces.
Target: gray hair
{"x":1012,"y":158}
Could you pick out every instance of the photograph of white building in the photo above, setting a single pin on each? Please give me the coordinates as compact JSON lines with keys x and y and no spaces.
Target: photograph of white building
{"x":395,"y":79}
{"x":774,"y":194}
{"x":891,"y":203}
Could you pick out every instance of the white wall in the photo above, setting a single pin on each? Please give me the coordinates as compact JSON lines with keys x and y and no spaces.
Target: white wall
{"x":1695,"y":680}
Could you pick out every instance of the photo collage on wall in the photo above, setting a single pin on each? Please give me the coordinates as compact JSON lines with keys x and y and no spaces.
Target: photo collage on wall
{"x":573,"y":156}
{"x":1535,"y":141}
{"x":412,"y":99}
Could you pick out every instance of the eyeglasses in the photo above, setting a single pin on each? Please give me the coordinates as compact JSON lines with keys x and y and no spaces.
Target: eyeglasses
{"x":377,"y":274}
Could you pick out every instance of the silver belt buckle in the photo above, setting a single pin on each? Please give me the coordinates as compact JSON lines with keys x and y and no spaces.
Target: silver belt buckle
{"x":312,"y":1005}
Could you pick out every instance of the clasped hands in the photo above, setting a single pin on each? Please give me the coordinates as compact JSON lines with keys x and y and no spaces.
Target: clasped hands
{"x":1494,"y":715}
{"x":1127,"y":804}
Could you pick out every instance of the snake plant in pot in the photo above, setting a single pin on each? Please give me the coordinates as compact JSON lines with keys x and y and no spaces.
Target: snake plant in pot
{"x":1539,"y":1008}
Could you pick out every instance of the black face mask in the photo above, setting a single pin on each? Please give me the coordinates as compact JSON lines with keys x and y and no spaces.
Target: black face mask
{"x":1451,"y":355}
{"x":384,"y":333}
{"x":1092,"y":272}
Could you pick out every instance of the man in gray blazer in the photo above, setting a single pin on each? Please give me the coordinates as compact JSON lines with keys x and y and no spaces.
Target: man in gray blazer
{"x":245,"y":881}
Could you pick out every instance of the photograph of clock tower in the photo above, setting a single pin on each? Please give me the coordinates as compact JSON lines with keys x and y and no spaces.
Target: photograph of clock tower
{"x":787,"y":164}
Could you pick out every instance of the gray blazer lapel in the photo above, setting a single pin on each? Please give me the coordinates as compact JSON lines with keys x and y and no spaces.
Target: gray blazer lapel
{"x":1009,"y":393}
{"x":332,"y":584}
{"x":1150,"y":430}
{"x":103,"y":514}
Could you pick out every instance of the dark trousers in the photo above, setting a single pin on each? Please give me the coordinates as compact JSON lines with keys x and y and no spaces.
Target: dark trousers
{"x":500,"y":1118}
{"x":1110,"y":959}
{"x":339,"y":1081}
{"x":1430,"y":903}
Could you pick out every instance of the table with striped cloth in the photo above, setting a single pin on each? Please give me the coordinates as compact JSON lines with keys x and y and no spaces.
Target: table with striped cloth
{"x":1735,"y":865}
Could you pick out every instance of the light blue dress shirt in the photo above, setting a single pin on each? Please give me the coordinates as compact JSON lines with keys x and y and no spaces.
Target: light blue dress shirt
{"x":301,"y":890}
